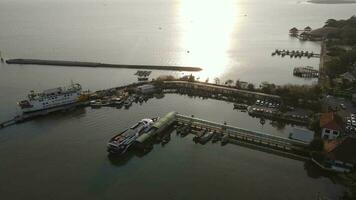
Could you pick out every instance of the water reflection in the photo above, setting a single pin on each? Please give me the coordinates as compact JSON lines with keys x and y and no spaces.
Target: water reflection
{"x":207,"y":26}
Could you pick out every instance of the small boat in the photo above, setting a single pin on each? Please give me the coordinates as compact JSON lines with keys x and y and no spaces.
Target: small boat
{"x":142,"y":78}
{"x":198,"y":135}
{"x":117,"y":101}
{"x":183,"y":130}
{"x":224,"y":140}
{"x":95,"y":104}
{"x":128,"y":103}
{"x":240,"y":106}
{"x":205,"y":138}
{"x":140,"y":99}
{"x":216,"y":137}
{"x":166,"y":138}
{"x":262,"y":121}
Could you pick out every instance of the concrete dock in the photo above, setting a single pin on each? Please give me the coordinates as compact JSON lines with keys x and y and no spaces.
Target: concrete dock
{"x":231,"y":134}
{"x":96,"y":65}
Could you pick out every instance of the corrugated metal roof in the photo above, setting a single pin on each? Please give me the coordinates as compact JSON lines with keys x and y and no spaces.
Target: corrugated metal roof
{"x":166,"y":119}
{"x":302,"y":135}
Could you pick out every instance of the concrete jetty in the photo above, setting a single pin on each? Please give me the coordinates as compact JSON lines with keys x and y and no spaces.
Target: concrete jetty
{"x":96,"y":64}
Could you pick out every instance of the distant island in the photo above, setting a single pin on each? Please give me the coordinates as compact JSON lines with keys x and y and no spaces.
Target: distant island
{"x":332,"y":1}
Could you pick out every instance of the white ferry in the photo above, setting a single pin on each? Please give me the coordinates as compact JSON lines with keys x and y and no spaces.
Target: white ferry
{"x":121,"y":142}
{"x":51,"y":98}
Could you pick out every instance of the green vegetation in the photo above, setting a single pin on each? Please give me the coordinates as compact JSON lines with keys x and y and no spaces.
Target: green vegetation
{"x":307,"y":96}
{"x":345,"y":30}
{"x":341,"y":61}
{"x":340,"y":56}
{"x":317,"y":145}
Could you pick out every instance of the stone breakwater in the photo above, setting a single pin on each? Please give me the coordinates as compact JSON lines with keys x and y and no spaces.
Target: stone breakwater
{"x":96,"y":64}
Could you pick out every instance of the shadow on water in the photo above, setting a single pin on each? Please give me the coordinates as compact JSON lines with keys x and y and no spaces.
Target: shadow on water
{"x":65,"y":114}
{"x":313,"y":171}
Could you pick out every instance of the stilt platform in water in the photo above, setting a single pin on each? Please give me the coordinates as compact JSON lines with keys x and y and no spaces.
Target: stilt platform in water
{"x":306,"y":72}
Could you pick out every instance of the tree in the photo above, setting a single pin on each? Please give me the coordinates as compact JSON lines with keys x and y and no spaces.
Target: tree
{"x":191,"y":78}
{"x":217,"y":81}
{"x":250,"y":86}
{"x":237,"y":84}
{"x":317,"y":144}
{"x":229,"y":82}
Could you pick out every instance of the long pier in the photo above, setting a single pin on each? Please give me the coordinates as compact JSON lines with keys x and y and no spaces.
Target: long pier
{"x":96,"y":65}
{"x":233,"y":133}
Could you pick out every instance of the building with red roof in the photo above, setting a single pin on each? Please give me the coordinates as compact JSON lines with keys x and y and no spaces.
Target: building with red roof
{"x":331,"y":126}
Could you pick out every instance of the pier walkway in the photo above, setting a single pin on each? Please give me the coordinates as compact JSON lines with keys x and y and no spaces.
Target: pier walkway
{"x":237,"y":133}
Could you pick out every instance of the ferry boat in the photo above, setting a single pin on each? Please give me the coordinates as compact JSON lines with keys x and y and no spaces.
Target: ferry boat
{"x":121,"y":142}
{"x":51,"y":98}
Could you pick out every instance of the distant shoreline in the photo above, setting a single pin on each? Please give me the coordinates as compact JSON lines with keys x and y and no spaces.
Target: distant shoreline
{"x":331,"y":1}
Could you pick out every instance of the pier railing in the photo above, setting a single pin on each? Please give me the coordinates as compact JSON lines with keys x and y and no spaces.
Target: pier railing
{"x":242,"y":133}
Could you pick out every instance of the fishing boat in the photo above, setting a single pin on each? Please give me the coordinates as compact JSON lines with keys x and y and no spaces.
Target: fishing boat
{"x":206,"y":137}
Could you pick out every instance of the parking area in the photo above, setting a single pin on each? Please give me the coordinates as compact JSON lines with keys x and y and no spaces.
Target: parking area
{"x":332,"y":103}
{"x":267,"y":104}
{"x":350,"y":123}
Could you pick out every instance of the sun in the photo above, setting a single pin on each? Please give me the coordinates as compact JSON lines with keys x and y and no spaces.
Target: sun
{"x":205,"y":40}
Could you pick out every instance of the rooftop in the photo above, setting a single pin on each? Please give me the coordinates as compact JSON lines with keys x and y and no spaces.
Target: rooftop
{"x":343,"y":150}
{"x":330,"y":121}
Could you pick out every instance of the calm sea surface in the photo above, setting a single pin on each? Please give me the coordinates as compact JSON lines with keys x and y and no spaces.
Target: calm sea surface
{"x":63,"y":156}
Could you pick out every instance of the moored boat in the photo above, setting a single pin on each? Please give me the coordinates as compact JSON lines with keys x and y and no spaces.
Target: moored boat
{"x":51,"y":98}
{"x":121,"y":142}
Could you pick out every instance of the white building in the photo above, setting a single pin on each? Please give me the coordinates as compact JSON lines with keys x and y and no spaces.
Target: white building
{"x":146,"y":89}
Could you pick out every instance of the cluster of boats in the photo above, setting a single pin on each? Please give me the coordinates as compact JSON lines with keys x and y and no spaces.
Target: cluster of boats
{"x":118,"y":102}
{"x":293,"y":53}
{"x":201,"y":136}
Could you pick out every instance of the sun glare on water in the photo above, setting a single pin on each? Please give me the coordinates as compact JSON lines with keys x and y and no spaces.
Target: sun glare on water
{"x":207,"y":26}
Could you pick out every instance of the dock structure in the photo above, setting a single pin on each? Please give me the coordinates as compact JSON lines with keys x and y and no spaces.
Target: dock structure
{"x":143,"y":75}
{"x":96,"y":65}
{"x":232,"y":134}
{"x":161,"y":125}
{"x":217,"y":89}
{"x":27,"y":116}
{"x":295,"y":53}
{"x":306,"y":72}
